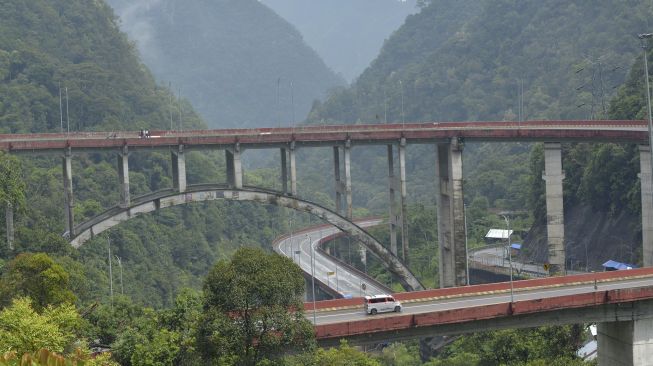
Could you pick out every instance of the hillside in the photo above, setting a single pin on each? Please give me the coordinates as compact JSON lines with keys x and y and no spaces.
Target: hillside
{"x":466,"y":60}
{"x":77,"y":44}
{"x":239,"y":63}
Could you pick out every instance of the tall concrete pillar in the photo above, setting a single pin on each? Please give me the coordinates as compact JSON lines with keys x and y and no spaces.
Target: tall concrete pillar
{"x":68,"y":192}
{"x":234,"y":167}
{"x":123,"y":176}
{"x":647,"y":204}
{"x":451,"y":213}
{"x":293,"y":170}
{"x":555,"y":219}
{"x":348,"y":197}
{"x":392,"y":183}
{"x":9,"y":217}
{"x":627,"y":343}
{"x":284,"y":171}
{"x":402,"y":185}
{"x":179,"y":169}
{"x":340,"y":186}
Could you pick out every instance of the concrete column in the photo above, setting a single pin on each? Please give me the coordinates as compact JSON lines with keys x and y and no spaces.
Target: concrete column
{"x":392,"y":215}
{"x":348,"y":198}
{"x":555,"y":219}
{"x":284,"y":171}
{"x":68,"y":193}
{"x":234,"y":167}
{"x":402,"y":185}
{"x":627,"y":343}
{"x":123,"y":176}
{"x":293,"y":170}
{"x":339,"y":184}
{"x":647,"y":204}
{"x":451,"y":214}
{"x":9,"y":216}
{"x":179,"y":169}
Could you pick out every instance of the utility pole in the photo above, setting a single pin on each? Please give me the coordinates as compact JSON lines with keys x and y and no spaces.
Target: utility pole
{"x":110,"y":273}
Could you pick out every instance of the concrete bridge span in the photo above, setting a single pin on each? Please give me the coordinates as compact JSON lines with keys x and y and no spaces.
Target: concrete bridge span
{"x":211,"y":192}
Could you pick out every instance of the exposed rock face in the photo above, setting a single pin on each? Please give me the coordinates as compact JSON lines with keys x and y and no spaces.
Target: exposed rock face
{"x":600,"y":234}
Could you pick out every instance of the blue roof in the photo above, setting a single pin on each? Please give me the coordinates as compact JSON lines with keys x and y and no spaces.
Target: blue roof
{"x":618,"y":265}
{"x":515,"y":245}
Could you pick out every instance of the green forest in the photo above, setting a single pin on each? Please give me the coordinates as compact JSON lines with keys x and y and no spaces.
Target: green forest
{"x":455,"y":60}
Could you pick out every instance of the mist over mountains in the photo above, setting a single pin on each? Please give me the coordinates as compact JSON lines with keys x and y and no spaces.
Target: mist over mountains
{"x":239,"y":63}
{"x":347,"y":34}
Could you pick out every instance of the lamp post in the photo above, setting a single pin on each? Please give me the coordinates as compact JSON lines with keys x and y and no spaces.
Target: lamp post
{"x":313,"y":276}
{"x":509,"y":258}
{"x":644,"y":39}
{"x":401,"y":86}
{"x":466,"y":248}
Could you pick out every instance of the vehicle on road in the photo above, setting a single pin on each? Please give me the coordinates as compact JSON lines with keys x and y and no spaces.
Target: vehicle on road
{"x":381,"y":304}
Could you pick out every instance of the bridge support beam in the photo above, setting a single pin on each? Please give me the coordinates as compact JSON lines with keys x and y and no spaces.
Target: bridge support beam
{"x":123,"y":176}
{"x":646,"y":182}
{"x":68,"y":192}
{"x":340,"y":186}
{"x":179,"y":169}
{"x":234,"y":167}
{"x":9,"y":217}
{"x":451,"y":213}
{"x":348,"y":198}
{"x":553,"y":176}
{"x":627,"y":343}
{"x":293,"y":169}
{"x":392,"y":215}
{"x":284,"y":170}
{"x":403,"y":190}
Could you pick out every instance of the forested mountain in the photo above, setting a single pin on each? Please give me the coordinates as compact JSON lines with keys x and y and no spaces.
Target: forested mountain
{"x":239,"y":63}
{"x":347,"y":34}
{"x":78,"y":45}
{"x":468,"y":60}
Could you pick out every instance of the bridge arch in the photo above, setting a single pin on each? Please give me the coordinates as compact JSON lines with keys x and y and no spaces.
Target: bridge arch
{"x":211,"y":192}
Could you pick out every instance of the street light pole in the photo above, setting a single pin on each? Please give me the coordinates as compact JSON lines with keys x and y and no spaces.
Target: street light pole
{"x":644,"y":38}
{"x":313,"y":276}
{"x":509,"y":258}
{"x":466,"y":250}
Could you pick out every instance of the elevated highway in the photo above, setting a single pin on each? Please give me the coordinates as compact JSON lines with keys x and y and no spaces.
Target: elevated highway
{"x":336,"y":277}
{"x":621,"y":302}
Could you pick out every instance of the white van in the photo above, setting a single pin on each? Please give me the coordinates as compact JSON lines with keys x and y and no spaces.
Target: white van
{"x":381,"y":303}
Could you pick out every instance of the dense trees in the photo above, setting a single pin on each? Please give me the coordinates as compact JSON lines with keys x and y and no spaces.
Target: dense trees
{"x":253,"y":309}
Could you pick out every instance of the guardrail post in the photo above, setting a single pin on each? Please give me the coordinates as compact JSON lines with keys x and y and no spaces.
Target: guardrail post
{"x":553,"y":175}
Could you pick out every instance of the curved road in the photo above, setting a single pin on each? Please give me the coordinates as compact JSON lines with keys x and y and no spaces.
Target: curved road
{"x":479,"y":299}
{"x":327,"y":270}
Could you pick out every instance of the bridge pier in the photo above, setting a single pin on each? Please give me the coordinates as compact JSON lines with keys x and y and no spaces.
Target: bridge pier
{"x":179,"y":169}
{"x":123,"y":176}
{"x":392,"y":216}
{"x":553,"y":175}
{"x":451,"y":213}
{"x":625,"y":343}
{"x":68,"y":192}
{"x":348,"y":198}
{"x":646,"y":182}
{"x":402,"y":187}
{"x":288,"y":155}
{"x":340,"y":185}
{"x":234,"y":167}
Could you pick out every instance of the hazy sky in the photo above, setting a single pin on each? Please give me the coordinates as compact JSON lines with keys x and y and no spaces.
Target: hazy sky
{"x":347,"y":34}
